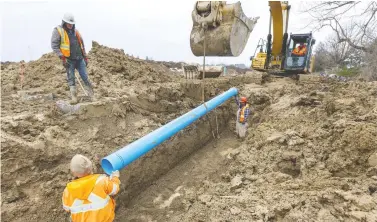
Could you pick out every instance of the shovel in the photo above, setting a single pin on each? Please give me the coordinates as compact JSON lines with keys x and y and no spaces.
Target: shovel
{"x":78,"y":80}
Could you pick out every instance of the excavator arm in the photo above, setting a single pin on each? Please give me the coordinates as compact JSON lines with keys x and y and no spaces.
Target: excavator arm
{"x":276,"y":43}
{"x":277,"y":19}
{"x":279,"y":16}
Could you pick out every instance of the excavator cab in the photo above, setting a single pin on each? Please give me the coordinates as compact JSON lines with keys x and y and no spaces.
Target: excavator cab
{"x":219,"y":29}
{"x":299,"y":53}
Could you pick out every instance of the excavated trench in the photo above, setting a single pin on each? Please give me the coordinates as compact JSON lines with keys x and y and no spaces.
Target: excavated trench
{"x":144,"y":171}
{"x":175,"y":190}
{"x":36,"y":149}
{"x":310,"y":154}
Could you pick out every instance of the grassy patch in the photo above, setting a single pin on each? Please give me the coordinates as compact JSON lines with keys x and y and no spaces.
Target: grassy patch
{"x":348,"y":72}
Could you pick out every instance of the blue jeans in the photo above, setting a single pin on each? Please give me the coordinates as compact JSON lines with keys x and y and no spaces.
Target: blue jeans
{"x":81,"y":67}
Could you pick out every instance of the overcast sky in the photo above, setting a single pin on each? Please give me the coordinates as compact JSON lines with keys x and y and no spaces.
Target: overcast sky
{"x":155,"y":28}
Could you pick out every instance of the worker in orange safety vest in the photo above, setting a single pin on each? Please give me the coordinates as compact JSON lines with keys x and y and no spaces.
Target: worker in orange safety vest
{"x":89,"y":198}
{"x":68,"y":44}
{"x":300,"y":50}
{"x":242,"y":113}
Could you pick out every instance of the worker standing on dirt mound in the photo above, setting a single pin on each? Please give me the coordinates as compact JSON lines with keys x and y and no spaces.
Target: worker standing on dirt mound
{"x":67,"y":43}
{"x":242,"y":113}
{"x":89,"y":197}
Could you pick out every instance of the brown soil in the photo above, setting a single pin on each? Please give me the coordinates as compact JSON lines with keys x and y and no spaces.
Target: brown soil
{"x":310,"y":153}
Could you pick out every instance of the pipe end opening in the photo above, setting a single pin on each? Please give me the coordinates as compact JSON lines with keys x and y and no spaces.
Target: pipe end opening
{"x":107,"y":166}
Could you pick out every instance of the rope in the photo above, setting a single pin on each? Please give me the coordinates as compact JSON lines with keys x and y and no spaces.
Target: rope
{"x":204,"y":63}
{"x":203,"y":97}
{"x":217,"y":125}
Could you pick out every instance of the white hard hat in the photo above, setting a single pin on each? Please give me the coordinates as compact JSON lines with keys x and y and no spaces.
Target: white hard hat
{"x":81,"y":165}
{"x":68,"y":18}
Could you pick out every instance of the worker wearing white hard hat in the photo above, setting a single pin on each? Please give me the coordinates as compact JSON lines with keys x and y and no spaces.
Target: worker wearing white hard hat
{"x":68,"y":44}
{"x":90,"y":196}
{"x":69,"y":18}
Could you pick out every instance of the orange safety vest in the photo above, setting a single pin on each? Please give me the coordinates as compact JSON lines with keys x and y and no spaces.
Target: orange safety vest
{"x":242,"y":113}
{"x":64,"y":41}
{"x":88,"y":199}
{"x":299,"y":51}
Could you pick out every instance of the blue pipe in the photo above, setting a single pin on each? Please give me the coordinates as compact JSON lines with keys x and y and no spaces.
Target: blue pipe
{"x":131,"y":152}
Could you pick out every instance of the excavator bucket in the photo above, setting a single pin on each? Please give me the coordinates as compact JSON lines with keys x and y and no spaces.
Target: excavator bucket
{"x":210,"y":71}
{"x":196,"y":72}
{"x":222,"y":29}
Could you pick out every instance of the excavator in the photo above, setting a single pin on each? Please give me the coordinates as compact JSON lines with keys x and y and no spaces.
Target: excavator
{"x":221,"y":29}
{"x":282,"y":57}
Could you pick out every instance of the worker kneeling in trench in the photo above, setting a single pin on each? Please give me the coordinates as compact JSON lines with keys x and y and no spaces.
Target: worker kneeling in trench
{"x":89,"y":197}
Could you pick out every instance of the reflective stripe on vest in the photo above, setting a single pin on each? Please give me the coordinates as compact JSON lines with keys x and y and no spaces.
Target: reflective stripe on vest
{"x":97,"y":202}
{"x":114,"y":190}
{"x":64,"y":42}
{"x":242,"y":113}
{"x":95,"y":205}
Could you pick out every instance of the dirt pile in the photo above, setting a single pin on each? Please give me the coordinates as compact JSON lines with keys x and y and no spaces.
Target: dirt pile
{"x":310,"y":156}
{"x":110,"y":71}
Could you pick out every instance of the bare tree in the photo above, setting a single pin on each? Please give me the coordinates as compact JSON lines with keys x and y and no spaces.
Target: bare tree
{"x":353,"y":22}
{"x":370,"y":67}
{"x":331,"y":54}
{"x":322,"y":61}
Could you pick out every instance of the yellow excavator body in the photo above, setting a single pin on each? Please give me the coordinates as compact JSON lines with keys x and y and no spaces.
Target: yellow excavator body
{"x":278,"y":20}
{"x":219,"y":29}
{"x":259,"y":60}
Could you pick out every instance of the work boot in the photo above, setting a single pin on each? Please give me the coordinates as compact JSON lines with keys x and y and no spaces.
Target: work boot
{"x":90,"y":92}
{"x":73,"y":95}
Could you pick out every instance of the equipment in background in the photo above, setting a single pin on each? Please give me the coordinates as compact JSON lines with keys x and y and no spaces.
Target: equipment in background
{"x":196,"y":71}
{"x":276,"y":54}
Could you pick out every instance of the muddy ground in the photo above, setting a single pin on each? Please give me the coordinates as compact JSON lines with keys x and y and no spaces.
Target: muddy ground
{"x":310,"y":153}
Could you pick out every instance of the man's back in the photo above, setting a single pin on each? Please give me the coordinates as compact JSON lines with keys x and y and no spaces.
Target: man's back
{"x":88,"y":198}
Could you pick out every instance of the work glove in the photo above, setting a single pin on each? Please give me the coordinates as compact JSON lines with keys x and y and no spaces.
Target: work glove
{"x":64,"y":61}
{"x":86,"y":61}
{"x":115,"y":174}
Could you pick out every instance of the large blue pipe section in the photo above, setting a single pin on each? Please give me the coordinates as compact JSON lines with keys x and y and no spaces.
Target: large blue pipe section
{"x":131,"y":152}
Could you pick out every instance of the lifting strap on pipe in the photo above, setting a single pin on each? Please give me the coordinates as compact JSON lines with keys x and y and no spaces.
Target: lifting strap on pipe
{"x":203,"y":87}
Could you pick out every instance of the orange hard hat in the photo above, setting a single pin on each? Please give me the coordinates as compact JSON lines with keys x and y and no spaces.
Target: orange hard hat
{"x":243,"y":99}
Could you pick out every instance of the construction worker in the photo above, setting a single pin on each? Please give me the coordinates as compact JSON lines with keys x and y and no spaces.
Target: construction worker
{"x":300,"y":50}
{"x":242,"y":113}
{"x":89,"y":197}
{"x":67,"y":43}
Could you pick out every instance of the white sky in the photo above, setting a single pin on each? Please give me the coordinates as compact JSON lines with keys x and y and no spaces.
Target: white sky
{"x":155,"y":28}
